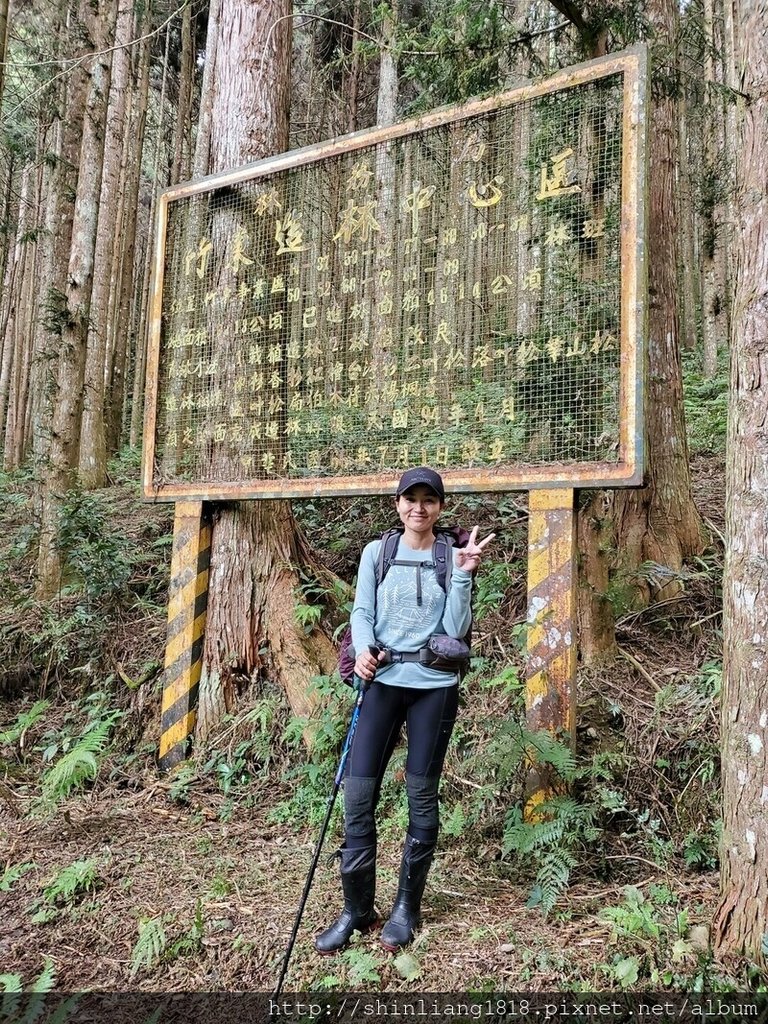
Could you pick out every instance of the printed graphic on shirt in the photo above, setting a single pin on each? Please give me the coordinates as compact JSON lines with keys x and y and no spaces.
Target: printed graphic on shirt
{"x":399,"y":605}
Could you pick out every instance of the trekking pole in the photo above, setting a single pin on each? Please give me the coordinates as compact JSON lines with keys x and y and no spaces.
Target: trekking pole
{"x":363,"y":685}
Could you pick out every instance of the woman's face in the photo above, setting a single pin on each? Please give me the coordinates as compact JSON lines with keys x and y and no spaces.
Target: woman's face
{"x":419,"y":508}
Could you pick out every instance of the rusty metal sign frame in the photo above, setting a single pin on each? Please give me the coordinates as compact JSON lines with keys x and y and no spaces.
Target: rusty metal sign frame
{"x":627,"y":471}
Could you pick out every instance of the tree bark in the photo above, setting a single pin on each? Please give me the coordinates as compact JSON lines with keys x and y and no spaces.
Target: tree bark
{"x":61,"y":466}
{"x":256,"y":544}
{"x":660,"y":523}
{"x":109,"y":238}
{"x":741,"y":921}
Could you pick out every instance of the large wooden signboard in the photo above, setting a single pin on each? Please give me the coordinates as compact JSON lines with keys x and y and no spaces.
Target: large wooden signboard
{"x":463,"y":290}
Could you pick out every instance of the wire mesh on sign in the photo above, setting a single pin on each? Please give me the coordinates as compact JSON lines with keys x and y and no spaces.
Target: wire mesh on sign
{"x":451,"y":297}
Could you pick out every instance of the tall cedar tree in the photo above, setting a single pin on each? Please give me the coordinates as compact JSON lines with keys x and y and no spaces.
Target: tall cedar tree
{"x":741,"y":923}
{"x":256,"y":545}
{"x":658,"y":523}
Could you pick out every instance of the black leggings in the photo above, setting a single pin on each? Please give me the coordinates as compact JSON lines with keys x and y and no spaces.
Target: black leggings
{"x":429,"y":716}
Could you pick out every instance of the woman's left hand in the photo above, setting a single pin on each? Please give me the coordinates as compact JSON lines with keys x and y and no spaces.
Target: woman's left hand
{"x":469,"y":557}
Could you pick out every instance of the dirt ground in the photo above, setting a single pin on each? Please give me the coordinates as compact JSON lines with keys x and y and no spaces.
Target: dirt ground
{"x":221,"y":880}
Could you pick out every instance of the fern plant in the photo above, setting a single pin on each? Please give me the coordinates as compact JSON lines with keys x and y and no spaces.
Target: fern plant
{"x":24,"y":721}
{"x":150,"y":944}
{"x":72,"y":881}
{"x":14,"y":873}
{"x":80,"y":764}
{"x":551,"y":842}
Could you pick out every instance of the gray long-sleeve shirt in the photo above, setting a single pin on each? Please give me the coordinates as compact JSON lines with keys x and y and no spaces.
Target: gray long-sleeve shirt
{"x":393,"y":617}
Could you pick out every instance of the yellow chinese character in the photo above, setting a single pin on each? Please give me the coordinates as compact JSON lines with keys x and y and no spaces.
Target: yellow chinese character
{"x":417,"y":200}
{"x":430,"y":416}
{"x":276,"y":320}
{"x":278,"y":284}
{"x":481,"y":357}
{"x":519,"y":223}
{"x":411,"y":301}
{"x":442,"y":455}
{"x":554,"y":184}
{"x":259,"y":288}
{"x":268,"y":202}
{"x":594,"y":228}
{"x":359,"y":178}
{"x":527,"y":352}
{"x":257,"y":381}
{"x":577,"y":347}
{"x":470,"y":451}
{"x":358,"y":343}
{"x":496,"y":451}
{"x":500,"y":284}
{"x":314,"y":458}
{"x":415,"y":335}
{"x":374,"y":421}
{"x":357,"y":220}
{"x":239,"y":258}
{"x":508,"y":409}
{"x":293,"y":350}
{"x":295,"y":377}
{"x":480,"y":412}
{"x":289,"y":235}
{"x":275,"y":405}
{"x":442,"y":333}
{"x":532,"y":280}
{"x":199,"y":256}
{"x":333,"y":314}
{"x":220,"y":432}
{"x":274,"y":354}
{"x":456,"y":414}
{"x":271,"y":430}
{"x":275,"y":381}
{"x":336,"y":424}
{"x":385,"y":306}
{"x":363,"y":457}
{"x":288,"y":461}
{"x":293,"y":428}
{"x":489,"y":194}
{"x":557,"y":234}
{"x":455,"y":358}
{"x":309,"y":317}
{"x":243,"y":292}
{"x":555,"y":348}
{"x":268,"y":461}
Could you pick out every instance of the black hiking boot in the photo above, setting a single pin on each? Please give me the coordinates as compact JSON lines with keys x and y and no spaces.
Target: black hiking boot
{"x":358,"y":883}
{"x":406,"y":913}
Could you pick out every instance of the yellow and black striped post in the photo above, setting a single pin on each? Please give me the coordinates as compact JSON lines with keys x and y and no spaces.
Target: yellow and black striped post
{"x":187,"y":604}
{"x":551,"y":641}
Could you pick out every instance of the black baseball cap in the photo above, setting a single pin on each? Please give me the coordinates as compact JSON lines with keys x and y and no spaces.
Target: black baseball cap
{"x":421,"y":475}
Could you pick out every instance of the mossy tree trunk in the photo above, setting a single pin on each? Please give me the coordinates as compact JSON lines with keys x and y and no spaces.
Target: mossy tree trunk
{"x":256,"y":546}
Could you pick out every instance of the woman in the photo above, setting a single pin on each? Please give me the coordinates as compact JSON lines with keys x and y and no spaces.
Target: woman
{"x":398,"y":617}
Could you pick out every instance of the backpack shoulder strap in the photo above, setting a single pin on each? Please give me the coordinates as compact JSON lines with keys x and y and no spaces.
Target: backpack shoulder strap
{"x":387,"y":552}
{"x":442,"y":556}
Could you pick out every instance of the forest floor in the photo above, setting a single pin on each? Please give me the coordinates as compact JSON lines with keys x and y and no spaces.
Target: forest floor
{"x":138,"y":881}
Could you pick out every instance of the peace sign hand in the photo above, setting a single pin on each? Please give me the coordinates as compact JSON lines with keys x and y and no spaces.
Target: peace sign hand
{"x":469,"y":557}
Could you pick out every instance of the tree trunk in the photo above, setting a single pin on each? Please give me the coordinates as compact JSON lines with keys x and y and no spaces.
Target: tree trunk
{"x":126,"y":331}
{"x":256,"y":544}
{"x":61,"y":466}
{"x":57,"y":238}
{"x":109,"y":237}
{"x":181,"y":142}
{"x":741,"y":922}
{"x":713,"y":289}
{"x":689,"y":274}
{"x":659,"y":523}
